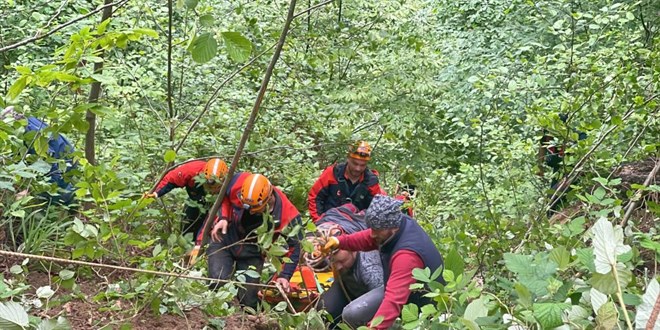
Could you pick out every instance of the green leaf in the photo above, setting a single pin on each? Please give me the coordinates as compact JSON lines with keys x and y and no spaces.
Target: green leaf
{"x":575,"y":227}
{"x":169,"y":156}
{"x":608,"y":243}
{"x":16,"y":269}
{"x":207,"y":20}
{"x":191,"y":4}
{"x":524,"y":295}
{"x":607,"y":316}
{"x":60,"y":324}
{"x":477,"y":308}
{"x":517,"y":263}
{"x":422,"y":275}
{"x":45,"y":292}
{"x":238,"y":47}
{"x":155,"y":305}
{"x":586,"y":258}
{"x":157,"y":250}
{"x":66,"y":274}
{"x":13,"y":316}
{"x":549,"y":314}
{"x":598,"y":299}
{"x":632,"y":299}
{"x":203,"y":48}
{"x":410,"y":313}
{"x":17,"y":87}
{"x":454,"y":262}
{"x":560,"y":256}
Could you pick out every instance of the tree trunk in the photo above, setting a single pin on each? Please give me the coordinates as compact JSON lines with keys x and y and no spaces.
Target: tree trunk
{"x":94,"y":93}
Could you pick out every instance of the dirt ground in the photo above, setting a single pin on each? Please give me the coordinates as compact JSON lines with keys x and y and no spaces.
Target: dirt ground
{"x":83,"y":313}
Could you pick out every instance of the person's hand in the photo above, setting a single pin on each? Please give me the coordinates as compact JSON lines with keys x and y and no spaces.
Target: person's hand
{"x":150,"y":195}
{"x":284,"y":283}
{"x":219,"y":228}
{"x":332,"y":244}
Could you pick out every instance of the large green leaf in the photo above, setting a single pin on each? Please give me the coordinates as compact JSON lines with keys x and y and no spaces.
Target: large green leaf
{"x":607,"y":316}
{"x":650,"y":299}
{"x":238,"y":47}
{"x":549,"y":314}
{"x":608,"y":243}
{"x":17,"y":87}
{"x":454,"y":262}
{"x":191,"y":4}
{"x":203,"y":48}
{"x":606,"y":283}
{"x":477,"y":308}
{"x":560,"y":256}
{"x":517,"y":263}
{"x":13,"y":316}
{"x":409,"y":313}
{"x":206,"y":20}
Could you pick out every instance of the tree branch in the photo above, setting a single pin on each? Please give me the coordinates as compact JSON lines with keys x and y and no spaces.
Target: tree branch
{"x":638,"y":194}
{"x":250,"y":124}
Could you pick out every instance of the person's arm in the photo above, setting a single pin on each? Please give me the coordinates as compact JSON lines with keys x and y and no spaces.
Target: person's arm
{"x":397,"y":289}
{"x":318,"y":194}
{"x":360,"y":241}
{"x":176,"y":178}
{"x":371,"y":269}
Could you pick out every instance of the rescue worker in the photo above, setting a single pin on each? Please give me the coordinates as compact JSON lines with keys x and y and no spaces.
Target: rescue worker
{"x":405,"y":194}
{"x":250,"y":201}
{"x":551,"y":153}
{"x":356,"y":273}
{"x":403,"y":246}
{"x":59,"y":149}
{"x":199,"y":177}
{"x":349,"y":182}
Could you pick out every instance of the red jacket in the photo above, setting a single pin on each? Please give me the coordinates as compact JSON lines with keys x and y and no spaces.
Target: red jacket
{"x":183,"y":176}
{"x":397,"y":288}
{"x":333,"y":189}
{"x":284,"y":213}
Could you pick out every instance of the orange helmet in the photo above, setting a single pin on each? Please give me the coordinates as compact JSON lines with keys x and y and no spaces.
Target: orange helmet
{"x":215,"y":169}
{"x":255,"y":192}
{"x":360,"y":150}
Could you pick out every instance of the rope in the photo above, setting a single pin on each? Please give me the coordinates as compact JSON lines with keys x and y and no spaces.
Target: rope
{"x":134,"y":270}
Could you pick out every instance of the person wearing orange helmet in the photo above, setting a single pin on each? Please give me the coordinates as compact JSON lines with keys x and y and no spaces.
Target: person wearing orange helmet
{"x":349,"y":182}
{"x":250,"y":200}
{"x":199,"y":177}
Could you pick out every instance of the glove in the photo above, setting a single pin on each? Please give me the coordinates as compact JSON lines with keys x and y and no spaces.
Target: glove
{"x":150,"y":195}
{"x":192,"y":256}
{"x":332,"y":244}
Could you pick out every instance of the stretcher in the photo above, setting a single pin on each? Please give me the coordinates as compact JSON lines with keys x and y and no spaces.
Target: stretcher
{"x":306,"y":288}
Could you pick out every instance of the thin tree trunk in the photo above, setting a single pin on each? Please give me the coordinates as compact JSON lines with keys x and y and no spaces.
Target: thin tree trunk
{"x":95,"y":92}
{"x":248,"y":127}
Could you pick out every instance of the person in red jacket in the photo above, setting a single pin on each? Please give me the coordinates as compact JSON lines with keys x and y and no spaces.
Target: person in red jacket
{"x":234,"y":240}
{"x":403,"y":246}
{"x":199,"y":178}
{"x":349,"y":182}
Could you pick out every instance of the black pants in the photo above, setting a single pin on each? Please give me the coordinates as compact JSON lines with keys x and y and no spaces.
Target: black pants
{"x":192,"y":221}
{"x":221,"y":262}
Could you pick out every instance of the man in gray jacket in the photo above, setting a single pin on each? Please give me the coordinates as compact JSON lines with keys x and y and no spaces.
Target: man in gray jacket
{"x":358,"y":275}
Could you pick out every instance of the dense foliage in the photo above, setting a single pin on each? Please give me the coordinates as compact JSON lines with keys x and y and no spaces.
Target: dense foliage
{"x":455,"y":96}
